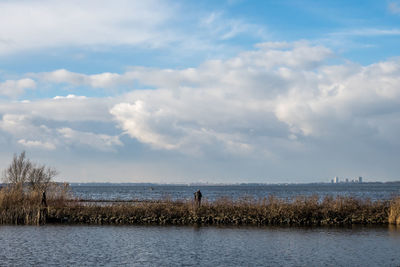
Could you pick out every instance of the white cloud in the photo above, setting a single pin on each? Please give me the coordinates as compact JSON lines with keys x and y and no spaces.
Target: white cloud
{"x":87,"y":26}
{"x":43,"y":124}
{"x":102,"y":80}
{"x":268,"y":100}
{"x":298,"y":55}
{"x":227,"y":104}
{"x":346,"y":100}
{"x":37,"y":144}
{"x":14,"y":123}
{"x":14,"y":88}
{"x":272,"y":103}
{"x":136,"y":120}
{"x":27,"y":25}
{"x":66,"y":109}
{"x":70,"y":96}
{"x":26,"y":133}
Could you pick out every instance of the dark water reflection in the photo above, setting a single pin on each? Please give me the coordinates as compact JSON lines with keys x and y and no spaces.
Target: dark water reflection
{"x":204,"y":246}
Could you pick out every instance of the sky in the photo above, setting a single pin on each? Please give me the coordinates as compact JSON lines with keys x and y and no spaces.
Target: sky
{"x":225,"y":91}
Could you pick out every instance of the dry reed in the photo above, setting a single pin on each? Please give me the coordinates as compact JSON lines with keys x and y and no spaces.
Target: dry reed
{"x":19,"y":205}
{"x":394,"y":214}
{"x":24,"y":207}
{"x":224,"y":211}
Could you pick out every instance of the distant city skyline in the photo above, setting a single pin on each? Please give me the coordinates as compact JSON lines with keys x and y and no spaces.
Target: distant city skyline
{"x":337,"y":180}
{"x":213,"y":91}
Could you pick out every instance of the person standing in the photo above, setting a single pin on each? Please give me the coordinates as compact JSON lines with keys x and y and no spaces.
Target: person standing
{"x":44,"y":200}
{"x":197,"y":198}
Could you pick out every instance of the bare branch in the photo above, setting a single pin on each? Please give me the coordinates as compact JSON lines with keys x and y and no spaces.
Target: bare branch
{"x":18,"y":171}
{"x":22,"y":171}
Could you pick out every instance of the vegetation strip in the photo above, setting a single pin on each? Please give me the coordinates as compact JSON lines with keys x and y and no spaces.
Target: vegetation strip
{"x":26,"y":209}
{"x":268,"y":211}
{"x":32,"y":198}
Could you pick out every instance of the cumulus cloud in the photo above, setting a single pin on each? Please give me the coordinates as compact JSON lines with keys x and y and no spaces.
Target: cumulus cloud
{"x":268,"y":100}
{"x":346,"y":98}
{"x":232,"y":72}
{"x":22,"y":129}
{"x":136,"y":120}
{"x":14,"y":88}
{"x":48,"y":124}
{"x":268,"y":103}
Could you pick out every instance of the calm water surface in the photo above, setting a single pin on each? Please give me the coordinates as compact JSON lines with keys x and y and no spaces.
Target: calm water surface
{"x":365,"y":190}
{"x":204,"y":246}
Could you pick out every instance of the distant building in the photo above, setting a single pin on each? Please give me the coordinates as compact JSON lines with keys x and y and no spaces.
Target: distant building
{"x":336,"y":180}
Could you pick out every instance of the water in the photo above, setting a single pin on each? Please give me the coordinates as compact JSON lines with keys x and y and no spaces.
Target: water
{"x":204,"y":246}
{"x":373,"y":191}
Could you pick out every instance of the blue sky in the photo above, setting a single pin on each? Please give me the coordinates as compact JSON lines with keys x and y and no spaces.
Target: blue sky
{"x":211,"y":91}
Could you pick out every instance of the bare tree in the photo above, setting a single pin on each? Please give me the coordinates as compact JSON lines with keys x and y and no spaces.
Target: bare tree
{"x":40,"y":177}
{"x":22,"y":171}
{"x":18,"y":171}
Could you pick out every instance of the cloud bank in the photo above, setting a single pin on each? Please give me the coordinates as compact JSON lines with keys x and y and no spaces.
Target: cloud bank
{"x":280,"y":103}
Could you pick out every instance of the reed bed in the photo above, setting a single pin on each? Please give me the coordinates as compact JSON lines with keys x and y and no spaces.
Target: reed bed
{"x":19,"y":205}
{"x":394,"y":214}
{"x":224,"y":211}
{"x":24,"y":207}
